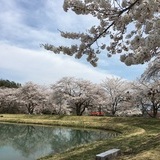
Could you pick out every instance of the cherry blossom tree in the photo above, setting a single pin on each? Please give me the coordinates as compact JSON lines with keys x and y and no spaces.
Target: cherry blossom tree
{"x":131,"y":25}
{"x":8,"y":100}
{"x":153,"y":70}
{"x":48,"y":105}
{"x":32,"y":96}
{"x":78,"y":94}
{"x":140,"y":95}
{"x":117,"y":92}
{"x":59,"y":102}
{"x":147,"y":95}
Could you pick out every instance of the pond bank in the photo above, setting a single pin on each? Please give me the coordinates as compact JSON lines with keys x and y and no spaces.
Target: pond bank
{"x":140,"y":138}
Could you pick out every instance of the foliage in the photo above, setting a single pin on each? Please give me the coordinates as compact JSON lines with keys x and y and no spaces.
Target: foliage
{"x":8,"y":101}
{"x":71,"y":96}
{"x":131,"y":25}
{"x":32,"y":97}
{"x":9,"y":84}
{"x":147,"y":96}
{"x":117,"y":91}
{"x":153,"y":70}
{"x":78,"y":94}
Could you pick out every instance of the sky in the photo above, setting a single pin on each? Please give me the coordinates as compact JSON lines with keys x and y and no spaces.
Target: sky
{"x":25,"y":24}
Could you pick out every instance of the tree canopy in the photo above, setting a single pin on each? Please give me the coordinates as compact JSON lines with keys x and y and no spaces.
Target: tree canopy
{"x":9,"y":84}
{"x":131,"y":25}
{"x":79,"y":94}
{"x":73,"y":96}
{"x":153,"y":70}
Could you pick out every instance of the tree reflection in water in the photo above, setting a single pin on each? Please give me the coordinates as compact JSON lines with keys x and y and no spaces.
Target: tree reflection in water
{"x":33,"y":142}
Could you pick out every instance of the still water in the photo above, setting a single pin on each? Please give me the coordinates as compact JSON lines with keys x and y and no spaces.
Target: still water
{"x":29,"y":142}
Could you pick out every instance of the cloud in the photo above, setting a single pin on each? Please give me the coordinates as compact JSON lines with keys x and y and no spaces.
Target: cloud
{"x":21,"y":58}
{"x":27,"y":24}
{"x":42,"y":67}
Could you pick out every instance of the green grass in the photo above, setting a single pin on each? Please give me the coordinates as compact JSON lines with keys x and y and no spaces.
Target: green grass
{"x":140,"y":138}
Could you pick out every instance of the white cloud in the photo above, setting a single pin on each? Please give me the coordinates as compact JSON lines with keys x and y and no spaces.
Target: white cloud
{"x":68,"y":20}
{"x":24,"y":27}
{"x":17,"y":23}
{"x":40,"y":66}
{"x":43,"y":67}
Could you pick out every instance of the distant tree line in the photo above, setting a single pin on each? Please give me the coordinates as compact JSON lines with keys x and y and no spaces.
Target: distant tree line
{"x":72,"y":96}
{"x":9,"y":84}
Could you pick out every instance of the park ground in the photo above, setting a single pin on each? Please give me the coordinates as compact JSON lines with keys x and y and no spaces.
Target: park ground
{"x":139,"y":138}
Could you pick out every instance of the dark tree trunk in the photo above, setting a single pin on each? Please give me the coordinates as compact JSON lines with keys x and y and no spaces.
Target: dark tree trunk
{"x":154,"y":112}
{"x":30,"y":108}
{"x":78,"y":112}
{"x":114,"y":106}
{"x":80,"y":108}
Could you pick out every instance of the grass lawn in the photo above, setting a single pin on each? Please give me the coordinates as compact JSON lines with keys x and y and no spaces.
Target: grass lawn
{"x":140,"y":138}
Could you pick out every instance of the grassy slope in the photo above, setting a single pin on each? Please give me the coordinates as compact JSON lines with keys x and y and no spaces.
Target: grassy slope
{"x":140,"y":139}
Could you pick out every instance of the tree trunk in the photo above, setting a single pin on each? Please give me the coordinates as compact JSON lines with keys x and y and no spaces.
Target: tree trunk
{"x":30,"y":108}
{"x":83,"y":110}
{"x":113,"y":109}
{"x":78,"y":108}
{"x":154,"y":112}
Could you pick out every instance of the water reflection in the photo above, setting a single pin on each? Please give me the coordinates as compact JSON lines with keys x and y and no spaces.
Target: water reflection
{"x":26,"y":142}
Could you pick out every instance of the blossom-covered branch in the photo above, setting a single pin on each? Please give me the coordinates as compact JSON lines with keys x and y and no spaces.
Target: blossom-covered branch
{"x":131,"y":25}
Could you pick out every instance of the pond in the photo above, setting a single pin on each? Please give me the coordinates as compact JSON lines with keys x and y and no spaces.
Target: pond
{"x":29,"y":142}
